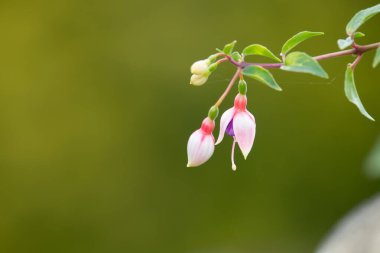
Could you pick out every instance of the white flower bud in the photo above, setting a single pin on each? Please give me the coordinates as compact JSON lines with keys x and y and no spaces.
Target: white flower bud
{"x":200,"y":67}
{"x":198,"y":80}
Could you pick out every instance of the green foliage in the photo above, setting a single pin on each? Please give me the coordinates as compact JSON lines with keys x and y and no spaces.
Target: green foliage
{"x":256,"y":49}
{"x":376,"y":59}
{"x":360,"y":18}
{"x":351,"y":92}
{"x":302,"y":62}
{"x":229,"y":47}
{"x":358,"y":35}
{"x":262,"y":75}
{"x":372,"y":162}
{"x":236,"y":56}
{"x":297,"y":39}
{"x":344,"y":43}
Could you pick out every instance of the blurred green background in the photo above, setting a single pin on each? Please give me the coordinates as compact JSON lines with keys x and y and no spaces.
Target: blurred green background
{"x":96,"y":110}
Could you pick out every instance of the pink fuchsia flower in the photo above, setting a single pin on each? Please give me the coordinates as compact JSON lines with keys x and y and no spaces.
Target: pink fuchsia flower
{"x":200,"y":146}
{"x":239,"y":123}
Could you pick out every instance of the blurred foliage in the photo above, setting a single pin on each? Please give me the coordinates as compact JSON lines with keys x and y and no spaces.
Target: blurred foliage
{"x":96,"y":110}
{"x":372,"y":161}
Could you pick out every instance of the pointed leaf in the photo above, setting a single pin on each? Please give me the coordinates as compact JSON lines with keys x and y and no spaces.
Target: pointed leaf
{"x":229,"y":47}
{"x":256,"y":49}
{"x":261,"y":75}
{"x":302,"y":62}
{"x":296,"y":39}
{"x":360,"y":18}
{"x":358,"y":35}
{"x":376,"y":60}
{"x":342,"y":44}
{"x":351,"y":93}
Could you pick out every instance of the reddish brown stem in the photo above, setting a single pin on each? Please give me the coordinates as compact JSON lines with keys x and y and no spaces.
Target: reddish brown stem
{"x":225,"y":93}
{"x":357,"y":60}
{"x":358,"y":50}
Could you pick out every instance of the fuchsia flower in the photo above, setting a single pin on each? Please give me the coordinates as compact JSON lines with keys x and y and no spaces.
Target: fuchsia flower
{"x":200,"y":146}
{"x":239,"y":123}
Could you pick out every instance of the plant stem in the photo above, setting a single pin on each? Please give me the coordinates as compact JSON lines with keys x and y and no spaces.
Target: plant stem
{"x":225,"y":93}
{"x":221,"y":60}
{"x":357,"y":60}
{"x":358,"y":50}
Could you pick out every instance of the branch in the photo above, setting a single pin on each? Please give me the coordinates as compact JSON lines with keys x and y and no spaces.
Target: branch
{"x":358,"y":50}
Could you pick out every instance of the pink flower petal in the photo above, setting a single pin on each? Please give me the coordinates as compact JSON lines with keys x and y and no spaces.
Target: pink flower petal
{"x":245,"y":130}
{"x":200,"y":148}
{"x":252,"y":117}
{"x":224,"y":120}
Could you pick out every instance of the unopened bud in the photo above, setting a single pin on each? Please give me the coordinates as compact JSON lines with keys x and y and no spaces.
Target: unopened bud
{"x":200,"y":67}
{"x":242,"y":87}
{"x":198,"y":80}
{"x":213,"y":112}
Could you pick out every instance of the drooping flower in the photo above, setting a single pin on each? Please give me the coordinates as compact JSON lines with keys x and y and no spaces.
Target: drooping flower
{"x":200,"y":146}
{"x":239,"y":123}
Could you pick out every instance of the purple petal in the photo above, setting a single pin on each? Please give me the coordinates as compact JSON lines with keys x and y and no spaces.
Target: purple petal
{"x":230,"y":129}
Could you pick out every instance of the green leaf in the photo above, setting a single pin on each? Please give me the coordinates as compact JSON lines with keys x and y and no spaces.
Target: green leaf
{"x":261,"y":75}
{"x":304,"y":63}
{"x":229,"y":47}
{"x":256,"y":49}
{"x":342,"y":44}
{"x":296,"y":39}
{"x":351,"y":93}
{"x":376,"y":59}
{"x":358,"y":35}
{"x":360,"y":18}
{"x":236,"y":56}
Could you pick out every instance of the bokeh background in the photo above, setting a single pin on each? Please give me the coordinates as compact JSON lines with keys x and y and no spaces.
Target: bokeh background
{"x":96,"y":110}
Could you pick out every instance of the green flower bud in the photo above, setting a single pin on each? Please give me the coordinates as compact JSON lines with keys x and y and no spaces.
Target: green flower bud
{"x":212,"y":67}
{"x":213,"y":112}
{"x":212,"y":58}
{"x":242,"y":87}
